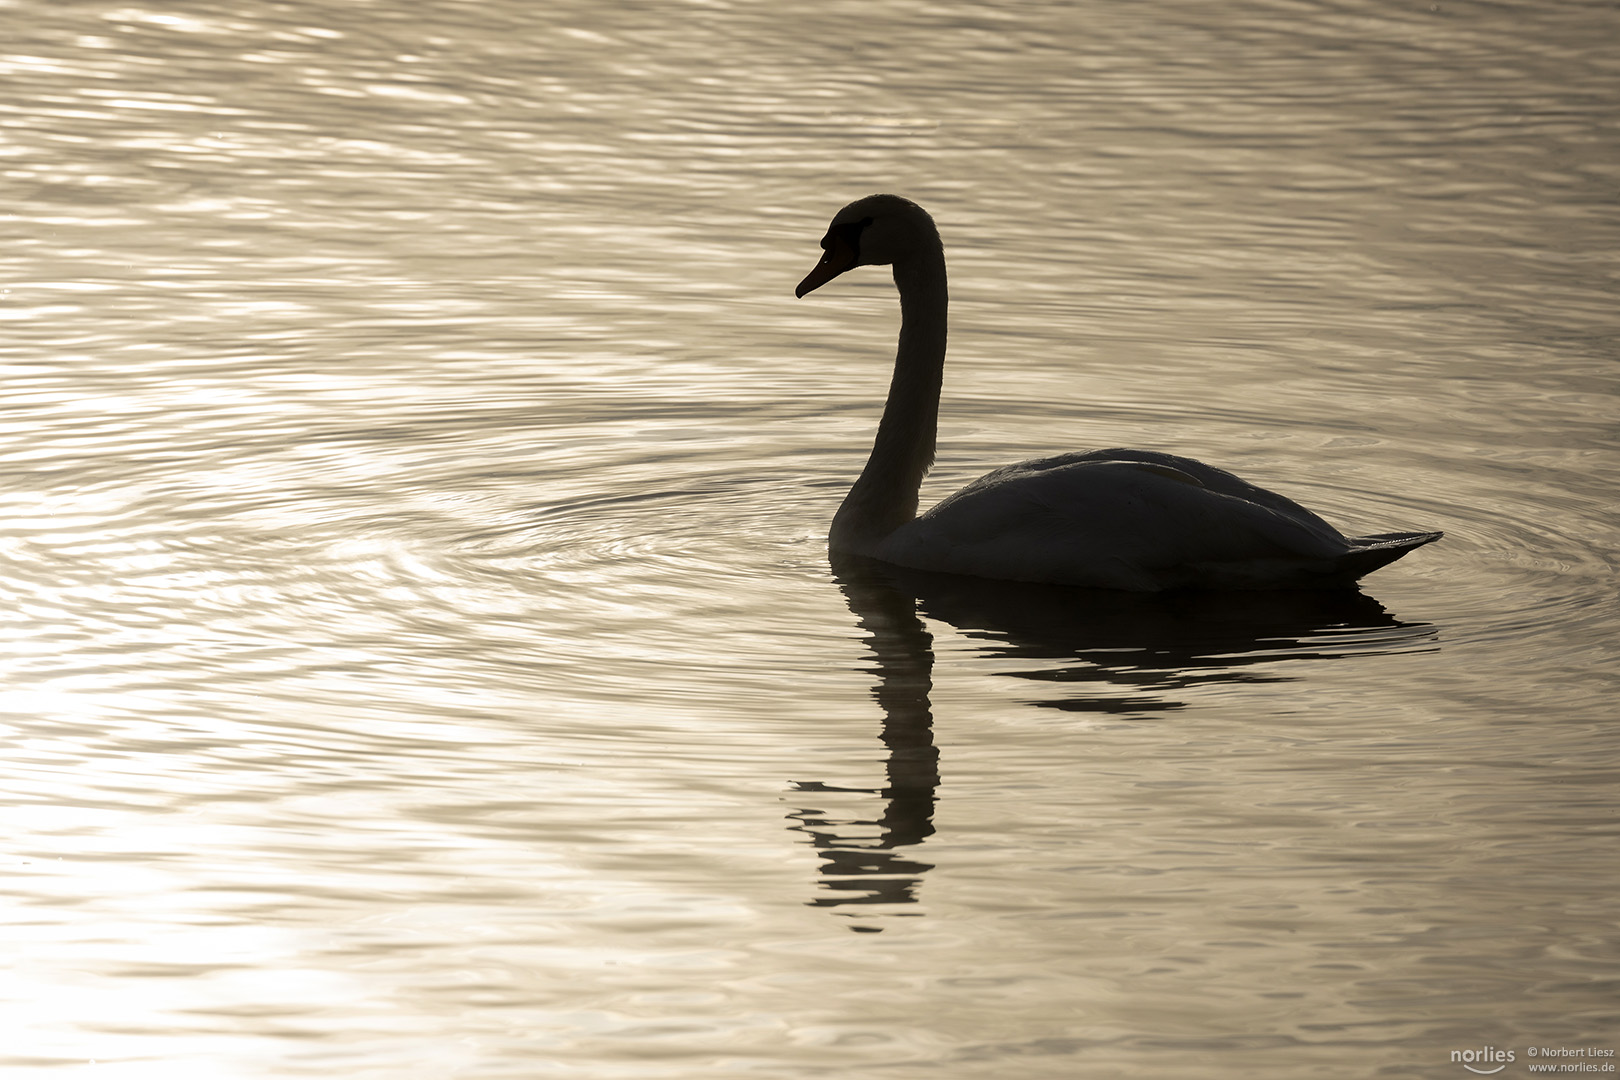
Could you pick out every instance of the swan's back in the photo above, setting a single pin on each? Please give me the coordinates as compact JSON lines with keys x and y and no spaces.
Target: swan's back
{"x":1135,"y":519}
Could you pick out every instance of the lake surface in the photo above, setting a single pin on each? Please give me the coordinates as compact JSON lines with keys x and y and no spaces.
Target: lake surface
{"x":421,"y":657}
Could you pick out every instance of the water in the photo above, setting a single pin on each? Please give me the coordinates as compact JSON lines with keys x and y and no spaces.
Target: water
{"x":421,"y":657}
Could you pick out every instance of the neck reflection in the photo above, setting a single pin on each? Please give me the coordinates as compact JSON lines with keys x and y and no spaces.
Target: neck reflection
{"x":863,"y":861}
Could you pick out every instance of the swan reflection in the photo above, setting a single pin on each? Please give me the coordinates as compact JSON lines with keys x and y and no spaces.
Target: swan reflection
{"x":1110,"y":651}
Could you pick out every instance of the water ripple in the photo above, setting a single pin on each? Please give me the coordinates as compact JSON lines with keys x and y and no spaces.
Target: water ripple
{"x":418,"y":654}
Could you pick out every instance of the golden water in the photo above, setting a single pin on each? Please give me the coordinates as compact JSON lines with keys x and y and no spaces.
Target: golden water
{"x":420,"y":657}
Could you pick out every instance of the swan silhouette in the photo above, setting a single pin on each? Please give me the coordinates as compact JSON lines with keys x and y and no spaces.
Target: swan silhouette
{"x":1115,"y":519}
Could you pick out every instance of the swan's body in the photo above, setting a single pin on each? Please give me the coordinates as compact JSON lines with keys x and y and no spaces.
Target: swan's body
{"x":1116,"y":519}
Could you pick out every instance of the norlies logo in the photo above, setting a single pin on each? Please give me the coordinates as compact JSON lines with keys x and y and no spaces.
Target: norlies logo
{"x":1484,"y":1057}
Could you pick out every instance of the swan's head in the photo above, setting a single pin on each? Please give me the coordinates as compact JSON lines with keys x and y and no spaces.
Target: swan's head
{"x":874,"y":231}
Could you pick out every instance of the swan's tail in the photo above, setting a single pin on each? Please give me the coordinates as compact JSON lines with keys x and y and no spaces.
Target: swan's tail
{"x":1368,"y":553}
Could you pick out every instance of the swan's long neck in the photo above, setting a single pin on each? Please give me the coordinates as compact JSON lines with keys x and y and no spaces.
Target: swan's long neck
{"x":885,"y":496}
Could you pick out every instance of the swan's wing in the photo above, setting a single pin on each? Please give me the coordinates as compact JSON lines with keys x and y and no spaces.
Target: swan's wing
{"x":1206,"y":476}
{"x":1117,"y":519}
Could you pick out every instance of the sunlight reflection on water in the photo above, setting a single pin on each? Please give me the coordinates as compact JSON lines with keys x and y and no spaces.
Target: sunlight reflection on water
{"x":420,"y":656}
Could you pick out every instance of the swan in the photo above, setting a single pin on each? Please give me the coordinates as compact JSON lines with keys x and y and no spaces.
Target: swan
{"x":1116,"y":519}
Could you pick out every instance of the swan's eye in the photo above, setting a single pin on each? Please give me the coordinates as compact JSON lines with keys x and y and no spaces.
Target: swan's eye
{"x":848,"y":233}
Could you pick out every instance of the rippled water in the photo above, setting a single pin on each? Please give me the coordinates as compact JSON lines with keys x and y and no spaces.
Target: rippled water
{"x":421,"y":657}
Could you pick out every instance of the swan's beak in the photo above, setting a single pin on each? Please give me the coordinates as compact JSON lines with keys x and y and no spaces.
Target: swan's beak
{"x":840,"y":256}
